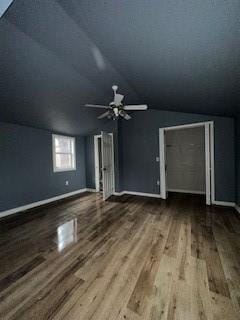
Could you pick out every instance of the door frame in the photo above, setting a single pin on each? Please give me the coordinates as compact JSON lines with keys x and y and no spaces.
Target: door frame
{"x":96,"y":161}
{"x":209,"y":158}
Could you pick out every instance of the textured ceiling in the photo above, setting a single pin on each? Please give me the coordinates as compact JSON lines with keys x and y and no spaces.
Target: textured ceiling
{"x":174,"y":55}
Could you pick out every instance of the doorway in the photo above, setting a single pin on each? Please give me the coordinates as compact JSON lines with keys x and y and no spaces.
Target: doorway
{"x":98,"y":162}
{"x":104,"y":164}
{"x":187,"y":160}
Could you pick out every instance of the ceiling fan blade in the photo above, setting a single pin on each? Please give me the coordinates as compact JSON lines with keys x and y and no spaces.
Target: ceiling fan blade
{"x":118,"y":99}
{"x":104,"y":115}
{"x":126,"y":116}
{"x":136,"y":107}
{"x":96,"y":106}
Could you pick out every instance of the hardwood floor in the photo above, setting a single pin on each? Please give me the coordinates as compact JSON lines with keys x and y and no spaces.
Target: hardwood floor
{"x":128,"y":258}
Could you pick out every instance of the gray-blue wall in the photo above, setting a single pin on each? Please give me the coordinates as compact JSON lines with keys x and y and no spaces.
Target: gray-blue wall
{"x":26,"y":172}
{"x":90,"y":161}
{"x":140,"y":147}
{"x":26,"y":169}
{"x":238,"y":158}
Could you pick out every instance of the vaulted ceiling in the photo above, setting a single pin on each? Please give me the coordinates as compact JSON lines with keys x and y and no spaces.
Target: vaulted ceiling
{"x":57,"y":55}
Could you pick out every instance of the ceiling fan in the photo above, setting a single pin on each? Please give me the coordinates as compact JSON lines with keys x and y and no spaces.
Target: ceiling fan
{"x":116,"y":109}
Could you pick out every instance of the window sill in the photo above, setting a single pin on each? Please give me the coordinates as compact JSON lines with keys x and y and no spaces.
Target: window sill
{"x":63,"y":170}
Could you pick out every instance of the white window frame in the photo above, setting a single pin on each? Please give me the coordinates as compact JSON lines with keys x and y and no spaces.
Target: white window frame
{"x":73,"y":153}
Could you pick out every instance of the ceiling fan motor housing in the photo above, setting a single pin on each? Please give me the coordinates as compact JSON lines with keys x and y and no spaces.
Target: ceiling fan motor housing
{"x":116,"y":108}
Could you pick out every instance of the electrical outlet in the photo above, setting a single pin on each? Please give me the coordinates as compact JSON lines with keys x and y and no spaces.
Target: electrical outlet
{"x":157,"y":159}
{"x":158,"y":183}
{"x":66,"y":183}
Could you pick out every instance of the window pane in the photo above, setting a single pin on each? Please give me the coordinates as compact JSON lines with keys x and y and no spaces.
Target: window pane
{"x":64,"y":161}
{"x":64,"y":157}
{"x":63,"y":145}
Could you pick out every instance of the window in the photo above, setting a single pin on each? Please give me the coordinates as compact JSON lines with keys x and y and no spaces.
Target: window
{"x":64,"y":157}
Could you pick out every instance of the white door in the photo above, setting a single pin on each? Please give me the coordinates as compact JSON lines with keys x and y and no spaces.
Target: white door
{"x":107,"y":165}
{"x":163,"y":173}
{"x":208,"y":164}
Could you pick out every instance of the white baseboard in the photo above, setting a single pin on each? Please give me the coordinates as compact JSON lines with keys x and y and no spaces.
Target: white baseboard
{"x":90,"y":190}
{"x":118,"y":193}
{"x":142,"y":194}
{"x":237,"y":208}
{"x":69,"y":194}
{"x":186,"y":191}
{"x":39,"y":203}
{"x":224,"y":203}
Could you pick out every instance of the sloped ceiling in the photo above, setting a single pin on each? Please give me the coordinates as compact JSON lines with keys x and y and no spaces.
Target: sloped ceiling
{"x":174,"y":55}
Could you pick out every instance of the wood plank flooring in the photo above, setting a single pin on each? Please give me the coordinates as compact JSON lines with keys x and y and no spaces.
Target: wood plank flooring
{"x":127,"y":258}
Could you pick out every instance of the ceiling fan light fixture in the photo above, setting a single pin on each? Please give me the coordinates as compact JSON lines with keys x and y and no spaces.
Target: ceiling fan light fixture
{"x":116,"y":111}
{"x":116,"y":108}
{"x":114,"y":87}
